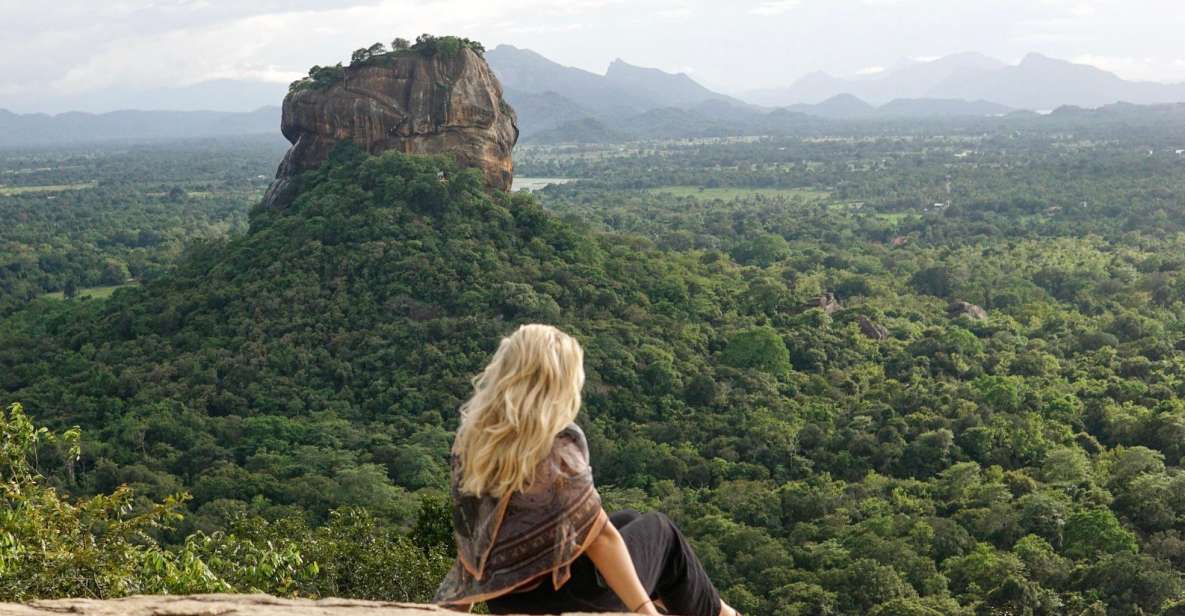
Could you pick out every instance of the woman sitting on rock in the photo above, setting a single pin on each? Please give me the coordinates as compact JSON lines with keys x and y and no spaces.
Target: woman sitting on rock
{"x":531,"y":535}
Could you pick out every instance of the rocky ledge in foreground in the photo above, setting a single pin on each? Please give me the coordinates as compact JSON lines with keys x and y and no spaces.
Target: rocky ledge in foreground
{"x":218,"y":605}
{"x":408,"y":102}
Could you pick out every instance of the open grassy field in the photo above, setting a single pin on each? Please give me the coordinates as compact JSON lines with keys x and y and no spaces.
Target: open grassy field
{"x":728,"y":193}
{"x":92,"y":292}
{"x":6,"y":191}
{"x":894,"y":217}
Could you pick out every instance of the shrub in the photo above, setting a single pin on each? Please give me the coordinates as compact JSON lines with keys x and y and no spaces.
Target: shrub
{"x":759,"y":348}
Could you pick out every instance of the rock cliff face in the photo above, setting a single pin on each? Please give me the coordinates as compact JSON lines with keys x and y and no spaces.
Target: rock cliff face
{"x":412,"y":103}
{"x":218,"y":605}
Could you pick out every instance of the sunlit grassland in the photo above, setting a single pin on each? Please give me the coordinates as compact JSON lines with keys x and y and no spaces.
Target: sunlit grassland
{"x":8,"y":191}
{"x":92,"y":292}
{"x":729,"y":193}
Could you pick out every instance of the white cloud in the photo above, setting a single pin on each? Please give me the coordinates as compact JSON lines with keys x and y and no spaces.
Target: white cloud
{"x":270,"y":73}
{"x":270,"y":46}
{"x":570,"y":7}
{"x":541,"y":28}
{"x":871,"y":70}
{"x":774,"y":7}
{"x":677,"y":12}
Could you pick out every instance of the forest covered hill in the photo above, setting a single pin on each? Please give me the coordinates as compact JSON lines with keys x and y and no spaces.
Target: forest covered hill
{"x":888,"y":367}
{"x":1030,"y":460}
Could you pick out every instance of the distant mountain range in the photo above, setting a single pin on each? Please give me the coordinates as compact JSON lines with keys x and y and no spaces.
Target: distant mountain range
{"x":229,"y":95}
{"x":848,"y":107}
{"x":547,"y":94}
{"x":34,"y":129}
{"x":557,"y":103}
{"x":550,"y":96}
{"x":1036,"y":83}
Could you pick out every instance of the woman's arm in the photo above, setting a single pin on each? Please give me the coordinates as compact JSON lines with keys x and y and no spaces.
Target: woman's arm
{"x":611,"y":557}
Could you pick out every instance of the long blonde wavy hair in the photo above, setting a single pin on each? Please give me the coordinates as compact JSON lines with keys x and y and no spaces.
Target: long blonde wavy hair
{"x":529,"y":392}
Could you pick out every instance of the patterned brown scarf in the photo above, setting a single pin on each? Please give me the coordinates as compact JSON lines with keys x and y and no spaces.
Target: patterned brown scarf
{"x":508,"y":543}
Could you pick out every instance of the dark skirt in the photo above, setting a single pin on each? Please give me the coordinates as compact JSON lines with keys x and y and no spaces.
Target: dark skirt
{"x":666,"y":565}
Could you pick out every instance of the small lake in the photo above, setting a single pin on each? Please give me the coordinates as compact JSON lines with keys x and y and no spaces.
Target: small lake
{"x":533,"y":184}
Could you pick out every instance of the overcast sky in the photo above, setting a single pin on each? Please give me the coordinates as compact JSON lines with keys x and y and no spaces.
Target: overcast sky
{"x":68,"y":48}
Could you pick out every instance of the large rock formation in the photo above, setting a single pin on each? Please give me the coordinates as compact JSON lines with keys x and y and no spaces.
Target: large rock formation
{"x":218,"y":605}
{"x":960,"y":308}
{"x":411,"y":102}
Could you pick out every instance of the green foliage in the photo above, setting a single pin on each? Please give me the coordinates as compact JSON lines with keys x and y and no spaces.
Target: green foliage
{"x":309,"y":369}
{"x":904,"y":607}
{"x":96,"y":547}
{"x":427,"y":45}
{"x":759,"y":348}
{"x":1096,"y":532}
{"x":445,"y":46}
{"x":320,"y":77}
{"x":354,"y":554}
{"x":107,"y":545}
{"x":126,"y":220}
{"x":763,"y":251}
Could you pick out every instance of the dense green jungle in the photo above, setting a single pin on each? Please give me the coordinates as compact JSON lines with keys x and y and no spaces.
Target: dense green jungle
{"x":899,"y":369}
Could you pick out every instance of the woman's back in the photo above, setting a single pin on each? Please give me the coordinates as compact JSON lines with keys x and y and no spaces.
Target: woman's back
{"x":504,"y":543}
{"x":531,"y":534}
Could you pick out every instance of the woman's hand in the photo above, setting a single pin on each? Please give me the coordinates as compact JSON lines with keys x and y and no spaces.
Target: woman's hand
{"x":612,"y":558}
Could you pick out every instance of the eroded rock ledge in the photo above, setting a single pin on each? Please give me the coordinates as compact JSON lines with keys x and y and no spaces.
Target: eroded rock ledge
{"x":218,"y":605}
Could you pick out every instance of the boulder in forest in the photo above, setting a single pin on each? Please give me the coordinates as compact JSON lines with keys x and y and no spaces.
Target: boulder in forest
{"x":966,"y":309}
{"x":873,"y":330}
{"x":825,"y":302}
{"x":410,"y":102}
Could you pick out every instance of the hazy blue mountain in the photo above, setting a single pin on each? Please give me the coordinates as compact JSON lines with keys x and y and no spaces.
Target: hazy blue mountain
{"x":810,"y":89}
{"x":547,"y":94}
{"x":928,"y":107}
{"x":1122,"y":112}
{"x":542,"y":111}
{"x":1041,"y":82}
{"x":706,"y":120}
{"x":680,"y":123}
{"x":583,"y":130}
{"x":838,"y":106}
{"x":848,"y":107}
{"x":907,"y":79}
{"x":524,"y":71}
{"x":217,"y":95}
{"x":1037,"y":82}
{"x":662,"y":88}
{"x":915,"y":79}
{"x":76,"y":127}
